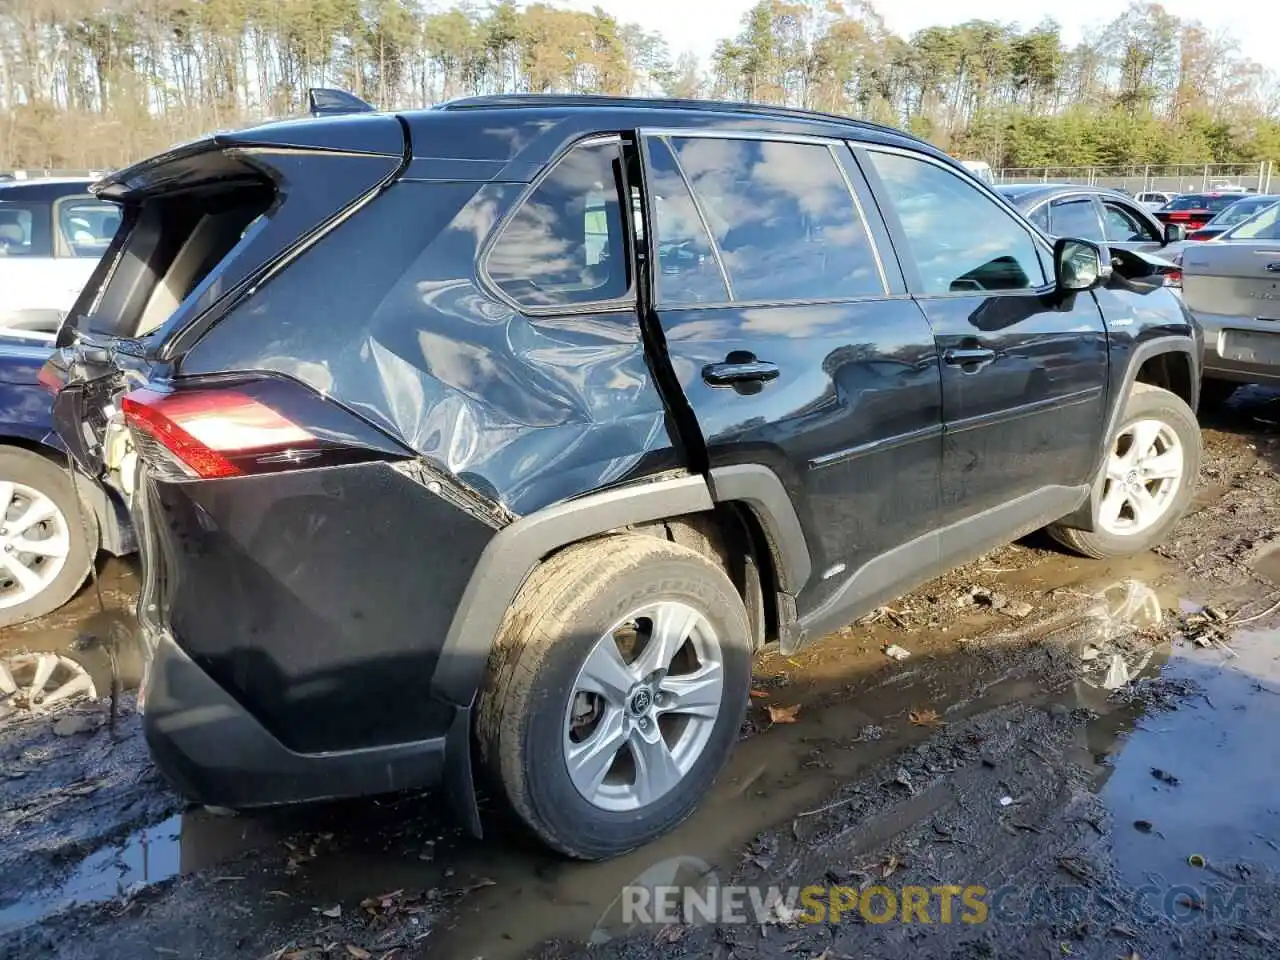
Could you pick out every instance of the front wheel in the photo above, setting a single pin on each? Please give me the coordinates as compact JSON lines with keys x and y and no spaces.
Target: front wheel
{"x":1148,"y":477}
{"x":615,"y":693}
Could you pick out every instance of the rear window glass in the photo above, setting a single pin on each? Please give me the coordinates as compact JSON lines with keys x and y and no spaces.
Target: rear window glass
{"x":1202,"y":201}
{"x":566,"y":244}
{"x":187,"y":249}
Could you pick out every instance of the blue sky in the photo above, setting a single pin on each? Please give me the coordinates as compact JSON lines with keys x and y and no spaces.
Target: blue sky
{"x":697,"y":24}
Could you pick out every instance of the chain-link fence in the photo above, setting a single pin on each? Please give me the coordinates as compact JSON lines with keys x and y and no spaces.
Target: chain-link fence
{"x":1258,"y":177}
{"x":8,"y":176}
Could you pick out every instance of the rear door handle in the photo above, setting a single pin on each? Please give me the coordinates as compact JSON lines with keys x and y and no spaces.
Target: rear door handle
{"x":744,"y":371}
{"x":979,"y":357}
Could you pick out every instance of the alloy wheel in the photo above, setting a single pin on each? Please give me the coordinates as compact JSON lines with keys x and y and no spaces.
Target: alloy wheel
{"x":643,"y":706}
{"x":1144,"y":473}
{"x":34,"y":542}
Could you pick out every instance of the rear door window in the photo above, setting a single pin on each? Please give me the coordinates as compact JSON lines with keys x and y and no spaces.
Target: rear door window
{"x":566,"y":244}
{"x":688,"y":269}
{"x":782,"y":218}
{"x":1040,"y":217}
{"x":1075,"y":217}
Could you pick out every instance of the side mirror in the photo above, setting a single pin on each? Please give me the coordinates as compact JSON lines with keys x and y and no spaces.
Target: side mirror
{"x":1174,"y":233}
{"x":1080,"y":264}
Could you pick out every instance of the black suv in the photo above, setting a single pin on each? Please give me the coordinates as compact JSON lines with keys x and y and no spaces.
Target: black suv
{"x":501,"y":435}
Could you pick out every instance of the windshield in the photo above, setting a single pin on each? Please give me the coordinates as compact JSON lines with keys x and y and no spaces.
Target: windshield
{"x":1240,"y":211}
{"x":1212,"y":202}
{"x":1264,"y":226}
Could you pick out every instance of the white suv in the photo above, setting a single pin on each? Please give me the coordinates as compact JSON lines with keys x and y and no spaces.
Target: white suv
{"x":52,"y":234}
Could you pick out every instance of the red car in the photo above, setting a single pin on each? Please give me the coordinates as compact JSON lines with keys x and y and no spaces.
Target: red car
{"x":1194,"y":210}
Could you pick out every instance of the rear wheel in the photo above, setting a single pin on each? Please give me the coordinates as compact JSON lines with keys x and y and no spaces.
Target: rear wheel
{"x":1149,"y":477}
{"x":47,"y":544}
{"x":615,"y":693}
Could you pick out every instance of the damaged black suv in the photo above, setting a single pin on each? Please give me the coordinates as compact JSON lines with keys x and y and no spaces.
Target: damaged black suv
{"x":498,"y":437}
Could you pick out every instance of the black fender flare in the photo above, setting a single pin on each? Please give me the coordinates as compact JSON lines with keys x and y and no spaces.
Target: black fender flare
{"x":518,"y":548}
{"x":1085,"y":517}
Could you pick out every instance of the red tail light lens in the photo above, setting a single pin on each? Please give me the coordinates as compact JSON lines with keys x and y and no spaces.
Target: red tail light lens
{"x":49,"y":379}
{"x":205,"y":432}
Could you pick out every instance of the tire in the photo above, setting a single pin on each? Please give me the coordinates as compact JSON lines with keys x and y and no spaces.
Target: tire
{"x":1146,"y":404}
{"x":566,"y":611}
{"x":32,"y":473}
{"x":1214,"y":393}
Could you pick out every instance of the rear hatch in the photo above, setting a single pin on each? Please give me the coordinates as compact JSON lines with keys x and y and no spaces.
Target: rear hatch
{"x":281,"y":531}
{"x":201,"y":226}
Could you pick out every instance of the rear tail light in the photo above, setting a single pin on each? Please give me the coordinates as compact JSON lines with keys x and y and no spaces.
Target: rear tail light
{"x":216,"y":431}
{"x":1173,"y":278}
{"x":49,"y":378}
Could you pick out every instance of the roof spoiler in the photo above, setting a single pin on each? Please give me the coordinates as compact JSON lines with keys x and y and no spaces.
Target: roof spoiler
{"x":323,"y":102}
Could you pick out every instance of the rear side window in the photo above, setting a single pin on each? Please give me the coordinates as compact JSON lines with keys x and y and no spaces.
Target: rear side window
{"x":20,"y":233}
{"x":782,"y":217}
{"x":1076,"y":218}
{"x":962,"y":240}
{"x":566,"y":244}
{"x":87,"y":225}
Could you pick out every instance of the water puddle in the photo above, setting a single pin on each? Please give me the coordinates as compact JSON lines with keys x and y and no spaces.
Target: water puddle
{"x":43,"y":672}
{"x":1199,"y":780}
{"x":856,"y":708}
{"x":148,"y":856}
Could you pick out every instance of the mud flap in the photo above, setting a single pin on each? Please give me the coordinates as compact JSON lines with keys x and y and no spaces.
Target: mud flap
{"x":458,"y":777}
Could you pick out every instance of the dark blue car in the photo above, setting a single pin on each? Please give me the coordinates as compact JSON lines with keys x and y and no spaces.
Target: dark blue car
{"x":49,"y":537}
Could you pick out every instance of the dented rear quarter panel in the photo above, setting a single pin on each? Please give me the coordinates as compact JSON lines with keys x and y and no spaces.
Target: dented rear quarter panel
{"x":386,"y":316}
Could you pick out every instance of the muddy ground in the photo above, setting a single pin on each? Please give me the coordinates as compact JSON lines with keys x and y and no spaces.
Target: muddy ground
{"x":1093,"y":745}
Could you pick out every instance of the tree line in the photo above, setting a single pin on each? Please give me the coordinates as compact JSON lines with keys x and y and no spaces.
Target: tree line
{"x":98,"y":83}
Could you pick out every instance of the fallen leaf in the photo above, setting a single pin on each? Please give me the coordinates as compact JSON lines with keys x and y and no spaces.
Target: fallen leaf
{"x":779,"y":714}
{"x":760,"y":694}
{"x":890,"y":864}
{"x":671,"y":933}
{"x":333,"y":913}
{"x":925,"y":718}
{"x":360,"y":953}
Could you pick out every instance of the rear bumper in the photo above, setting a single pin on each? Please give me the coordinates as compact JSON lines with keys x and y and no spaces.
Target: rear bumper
{"x":216,"y":753}
{"x":1217,"y":328}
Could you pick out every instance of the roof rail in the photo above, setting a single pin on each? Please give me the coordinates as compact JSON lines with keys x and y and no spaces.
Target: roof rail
{"x":516,"y":100}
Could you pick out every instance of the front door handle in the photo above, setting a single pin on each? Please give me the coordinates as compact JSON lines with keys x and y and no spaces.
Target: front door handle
{"x":739,"y":371}
{"x":978,"y":356}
